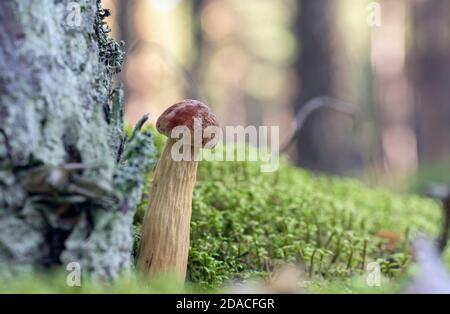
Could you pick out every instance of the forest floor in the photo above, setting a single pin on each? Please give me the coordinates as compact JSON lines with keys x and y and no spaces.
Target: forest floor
{"x":247,"y":224}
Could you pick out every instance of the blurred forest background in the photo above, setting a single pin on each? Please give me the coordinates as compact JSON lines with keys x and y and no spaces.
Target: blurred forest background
{"x":256,"y":62}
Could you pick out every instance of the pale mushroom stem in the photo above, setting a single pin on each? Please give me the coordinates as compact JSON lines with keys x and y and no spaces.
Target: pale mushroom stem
{"x":166,"y":226}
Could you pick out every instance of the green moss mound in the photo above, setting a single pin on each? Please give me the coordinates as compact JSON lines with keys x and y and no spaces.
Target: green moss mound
{"x":246,"y":223}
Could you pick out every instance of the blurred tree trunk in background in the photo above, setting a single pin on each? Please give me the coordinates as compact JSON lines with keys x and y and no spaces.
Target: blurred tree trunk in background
{"x":393,"y":90}
{"x":69,"y":177}
{"x":431,"y":77}
{"x":321,"y":145}
{"x":125,"y":22}
{"x":199,"y":42}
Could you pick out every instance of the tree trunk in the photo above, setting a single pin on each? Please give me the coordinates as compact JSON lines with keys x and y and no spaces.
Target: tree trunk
{"x":197,"y":70}
{"x":125,"y":18}
{"x":431,"y":76}
{"x":69,"y":177}
{"x":392,"y":89}
{"x":319,"y":146}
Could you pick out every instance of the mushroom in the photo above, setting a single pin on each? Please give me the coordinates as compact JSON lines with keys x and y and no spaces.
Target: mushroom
{"x":166,"y":226}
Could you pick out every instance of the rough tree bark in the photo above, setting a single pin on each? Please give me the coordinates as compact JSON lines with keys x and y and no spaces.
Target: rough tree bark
{"x":69,"y":176}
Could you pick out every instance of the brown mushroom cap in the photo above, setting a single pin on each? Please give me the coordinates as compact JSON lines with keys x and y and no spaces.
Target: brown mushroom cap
{"x":183,"y":114}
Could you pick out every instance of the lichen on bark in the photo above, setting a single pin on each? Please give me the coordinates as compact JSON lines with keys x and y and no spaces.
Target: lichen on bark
{"x":70,"y":179}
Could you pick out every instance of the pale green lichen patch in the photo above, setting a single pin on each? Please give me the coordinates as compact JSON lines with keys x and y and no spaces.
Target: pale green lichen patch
{"x":69,"y":177}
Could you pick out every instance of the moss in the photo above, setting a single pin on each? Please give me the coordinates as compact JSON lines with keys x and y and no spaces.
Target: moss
{"x":56,"y":283}
{"x":246,"y":223}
